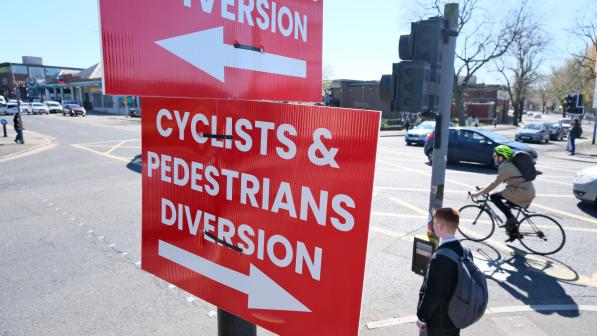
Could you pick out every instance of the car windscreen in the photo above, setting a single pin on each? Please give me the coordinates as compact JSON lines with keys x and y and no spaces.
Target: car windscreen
{"x":74,"y":106}
{"x":533,"y":126}
{"x":495,"y":137}
{"x":565,"y":122}
{"x":426,"y":125}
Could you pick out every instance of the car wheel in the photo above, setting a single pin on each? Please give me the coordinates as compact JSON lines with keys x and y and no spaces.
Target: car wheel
{"x":63,"y":114}
{"x":430,"y":157}
{"x":408,"y":143}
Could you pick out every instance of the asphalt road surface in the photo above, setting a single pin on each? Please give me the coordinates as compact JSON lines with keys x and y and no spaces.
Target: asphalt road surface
{"x":71,"y":233}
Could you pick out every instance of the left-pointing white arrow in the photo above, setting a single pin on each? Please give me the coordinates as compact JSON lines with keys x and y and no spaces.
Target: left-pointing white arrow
{"x":263,"y":292}
{"x":207,"y":51}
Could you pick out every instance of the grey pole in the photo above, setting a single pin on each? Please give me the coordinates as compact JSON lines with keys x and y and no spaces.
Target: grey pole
{"x":440,"y":150}
{"x":594,"y":124}
{"x":232,"y":325}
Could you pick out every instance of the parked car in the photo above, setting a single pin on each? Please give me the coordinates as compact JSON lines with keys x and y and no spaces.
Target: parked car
{"x":556,"y":132}
{"x":2,"y":100}
{"x":472,"y":144}
{"x":26,"y":108}
{"x":565,"y":123}
{"x":73,"y":110}
{"x":585,"y":185}
{"x":533,"y":132}
{"x":11,"y":108}
{"x":39,"y":108}
{"x":53,"y":106}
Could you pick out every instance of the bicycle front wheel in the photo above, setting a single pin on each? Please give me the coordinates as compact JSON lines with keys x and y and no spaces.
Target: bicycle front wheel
{"x":476,"y":223}
{"x":541,"y":234}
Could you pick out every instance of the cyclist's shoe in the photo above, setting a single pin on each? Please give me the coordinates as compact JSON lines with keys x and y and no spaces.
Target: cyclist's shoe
{"x":512,"y":236}
{"x":511,"y":224}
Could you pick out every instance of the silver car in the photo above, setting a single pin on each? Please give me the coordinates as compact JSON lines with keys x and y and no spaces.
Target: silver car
{"x":585,"y":185}
{"x":533,"y":132}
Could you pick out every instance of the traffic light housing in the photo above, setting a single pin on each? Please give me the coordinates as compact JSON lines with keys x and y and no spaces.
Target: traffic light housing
{"x":414,"y":83}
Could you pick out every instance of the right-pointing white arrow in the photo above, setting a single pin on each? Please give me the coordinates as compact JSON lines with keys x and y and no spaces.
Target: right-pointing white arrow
{"x":207,"y":51}
{"x":263,"y":292}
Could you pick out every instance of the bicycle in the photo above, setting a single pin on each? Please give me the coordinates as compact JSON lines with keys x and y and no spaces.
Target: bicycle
{"x":538,"y":233}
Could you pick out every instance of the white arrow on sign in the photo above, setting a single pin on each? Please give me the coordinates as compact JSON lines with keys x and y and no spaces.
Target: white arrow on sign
{"x":263,"y":292}
{"x":207,"y":51}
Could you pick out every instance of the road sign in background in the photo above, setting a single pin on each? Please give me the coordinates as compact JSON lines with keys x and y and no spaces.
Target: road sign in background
{"x":213,"y":49}
{"x":260,"y":208}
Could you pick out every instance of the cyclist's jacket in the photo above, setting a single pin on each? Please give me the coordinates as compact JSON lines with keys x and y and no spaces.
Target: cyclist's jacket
{"x":518,"y":190}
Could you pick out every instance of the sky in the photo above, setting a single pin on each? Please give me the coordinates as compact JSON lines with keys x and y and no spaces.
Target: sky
{"x":360,"y":38}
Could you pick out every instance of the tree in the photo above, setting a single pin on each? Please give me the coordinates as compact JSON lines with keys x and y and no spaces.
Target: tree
{"x":572,"y":75}
{"x":481,"y":40}
{"x":520,"y":65}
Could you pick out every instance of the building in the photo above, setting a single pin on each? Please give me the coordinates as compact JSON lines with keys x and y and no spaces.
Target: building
{"x":37,"y":82}
{"x":486,"y":102}
{"x":356,"y":94}
{"x":13,"y":75}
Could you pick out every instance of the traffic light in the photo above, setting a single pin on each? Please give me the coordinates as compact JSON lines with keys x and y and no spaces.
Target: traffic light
{"x":414,"y":83}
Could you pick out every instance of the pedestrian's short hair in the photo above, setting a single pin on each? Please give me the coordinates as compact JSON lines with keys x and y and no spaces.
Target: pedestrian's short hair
{"x":449,"y":215}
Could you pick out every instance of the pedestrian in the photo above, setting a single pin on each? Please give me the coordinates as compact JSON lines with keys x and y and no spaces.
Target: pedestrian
{"x":18,"y":128}
{"x":476,"y":121}
{"x":441,"y":278}
{"x":469,"y":121}
{"x":495,"y":122}
{"x":407,"y":123}
{"x":574,"y":133}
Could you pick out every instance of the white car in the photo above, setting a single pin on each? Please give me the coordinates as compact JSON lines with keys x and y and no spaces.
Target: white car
{"x":53,"y":106}
{"x":26,"y":108}
{"x":39,"y":108}
{"x":2,"y":100}
{"x":11,"y":108}
{"x":585,"y":185}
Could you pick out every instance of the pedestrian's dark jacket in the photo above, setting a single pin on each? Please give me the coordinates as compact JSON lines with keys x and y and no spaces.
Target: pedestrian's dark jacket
{"x":15,"y":120}
{"x":574,"y":131}
{"x":436,"y":292}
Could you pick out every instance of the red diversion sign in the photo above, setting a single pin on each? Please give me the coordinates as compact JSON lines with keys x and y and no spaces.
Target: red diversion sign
{"x":261,"y":209}
{"x":242,"y":49}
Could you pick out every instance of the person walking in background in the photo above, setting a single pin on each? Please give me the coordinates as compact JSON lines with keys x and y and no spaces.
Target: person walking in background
{"x":407,"y":122}
{"x":18,"y":128}
{"x":574,"y":133}
{"x":469,"y":121}
{"x":441,"y":279}
{"x":476,"y":121}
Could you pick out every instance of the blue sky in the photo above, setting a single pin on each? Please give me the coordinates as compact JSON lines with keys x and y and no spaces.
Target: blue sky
{"x":360,"y":37}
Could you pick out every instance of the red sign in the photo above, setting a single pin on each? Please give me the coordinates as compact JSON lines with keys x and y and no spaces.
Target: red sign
{"x":242,"y":49}
{"x":260,"y":208}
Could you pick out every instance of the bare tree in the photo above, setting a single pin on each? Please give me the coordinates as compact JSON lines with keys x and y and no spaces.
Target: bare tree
{"x":520,"y":65}
{"x":586,"y":30}
{"x":481,"y":40}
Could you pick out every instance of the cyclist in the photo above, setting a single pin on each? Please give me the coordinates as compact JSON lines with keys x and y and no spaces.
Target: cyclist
{"x":518,"y":191}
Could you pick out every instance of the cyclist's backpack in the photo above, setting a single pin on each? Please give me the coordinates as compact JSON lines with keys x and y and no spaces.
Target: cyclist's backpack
{"x":524,"y":162}
{"x":470,"y":298}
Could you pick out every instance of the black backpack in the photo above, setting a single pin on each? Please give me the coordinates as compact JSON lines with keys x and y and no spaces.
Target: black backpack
{"x":524,"y":162}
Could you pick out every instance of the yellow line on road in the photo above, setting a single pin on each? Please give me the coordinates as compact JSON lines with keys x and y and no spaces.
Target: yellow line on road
{"x":564,"y":213}
{"x":410,"y":206}
{"x":119,"y":158}
{"x":115,"y":147}
{"x":107,"y":141}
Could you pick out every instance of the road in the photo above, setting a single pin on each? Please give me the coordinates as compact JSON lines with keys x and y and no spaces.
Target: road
{"x":71,"y":220}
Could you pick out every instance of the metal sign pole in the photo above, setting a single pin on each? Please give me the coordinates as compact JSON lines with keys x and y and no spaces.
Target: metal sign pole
{"x":440,"y":150}
{"x":232,"y":325}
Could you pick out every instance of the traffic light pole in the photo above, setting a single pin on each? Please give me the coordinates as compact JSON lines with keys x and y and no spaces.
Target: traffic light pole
{"x":232,"y":325}
{"x":442,"y":128}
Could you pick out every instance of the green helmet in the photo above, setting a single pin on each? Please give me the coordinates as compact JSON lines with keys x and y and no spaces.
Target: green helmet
{"x":504,"y":151}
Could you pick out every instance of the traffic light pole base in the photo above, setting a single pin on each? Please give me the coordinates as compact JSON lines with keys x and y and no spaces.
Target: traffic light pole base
{"x":232,"y":325}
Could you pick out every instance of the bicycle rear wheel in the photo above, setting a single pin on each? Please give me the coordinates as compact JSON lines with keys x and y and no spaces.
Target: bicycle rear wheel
{"x":541,"y":234}
{"x":476,"y":223}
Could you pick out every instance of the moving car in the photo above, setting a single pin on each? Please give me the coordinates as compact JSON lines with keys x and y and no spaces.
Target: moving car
{"x":556,"y":132}
{"x":472,"y":144}
{"x":11,"y":108}
{"x":73,"y":110}
{"x":39,"y":108}
{"x":418,"y":135}
{"x":53,"y":106}
{"x":585,"y":185}
{"x":565,"y":123}
{"x":533,"y":132}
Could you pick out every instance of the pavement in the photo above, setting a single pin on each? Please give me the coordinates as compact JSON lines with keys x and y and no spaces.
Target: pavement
{"x":34,"y":142}
{"x":71,"y":251}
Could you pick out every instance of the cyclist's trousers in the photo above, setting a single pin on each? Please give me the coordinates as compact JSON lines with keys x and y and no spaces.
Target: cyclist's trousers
{"x":498,"y":200}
